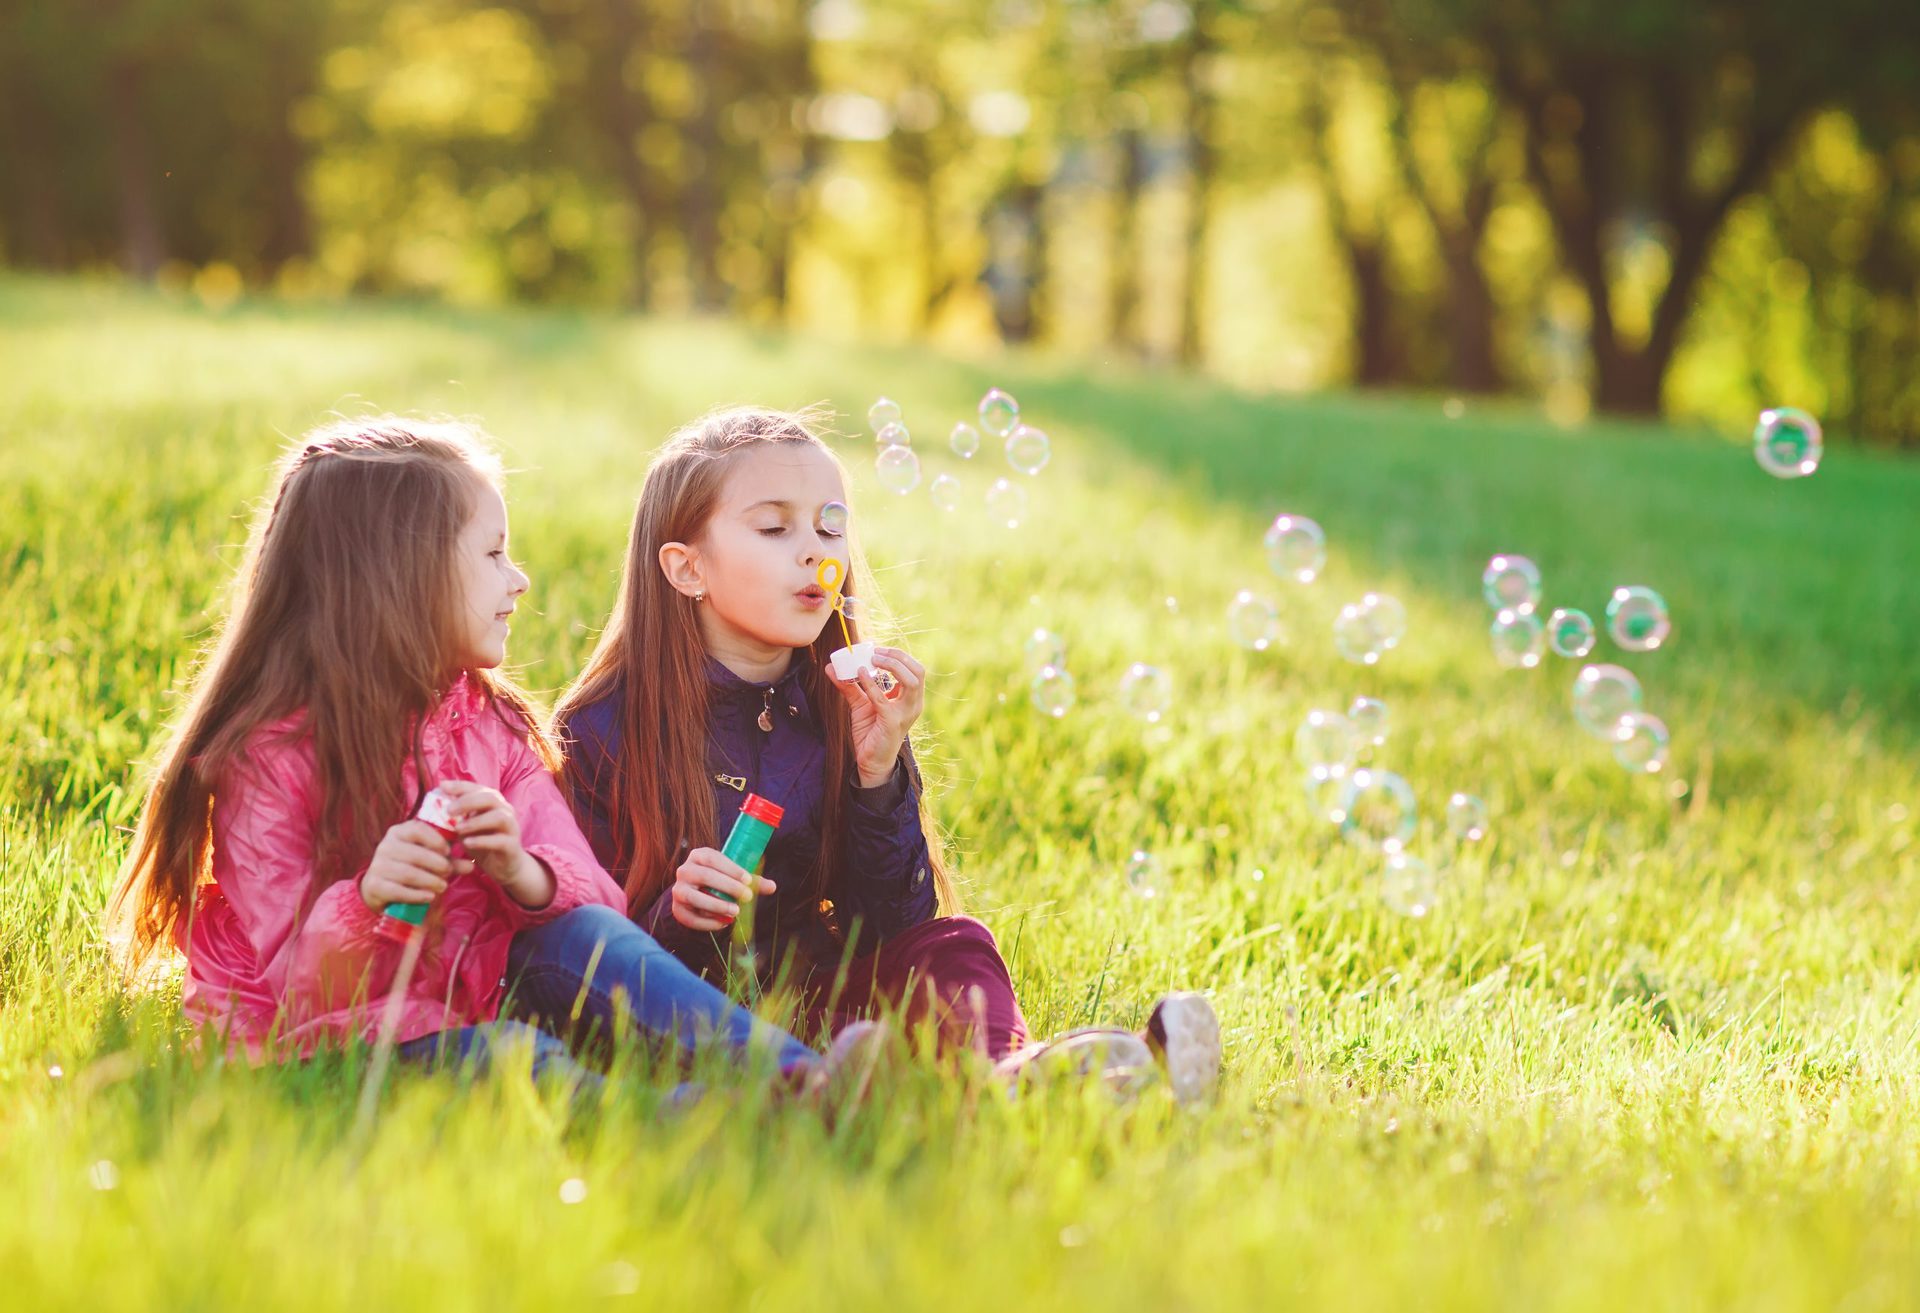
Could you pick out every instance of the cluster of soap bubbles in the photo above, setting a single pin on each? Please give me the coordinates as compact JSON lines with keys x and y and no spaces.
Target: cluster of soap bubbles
{"x":897,"y":466}
{"x":1606,"y":698}
{"x":1145,"y":691}
{"x":1374,"y":808}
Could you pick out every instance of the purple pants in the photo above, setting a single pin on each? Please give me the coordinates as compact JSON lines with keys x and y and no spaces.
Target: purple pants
{"x":947,"y":971}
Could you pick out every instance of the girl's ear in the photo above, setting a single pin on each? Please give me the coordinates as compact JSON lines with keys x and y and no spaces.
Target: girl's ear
{"x":682,"y":566}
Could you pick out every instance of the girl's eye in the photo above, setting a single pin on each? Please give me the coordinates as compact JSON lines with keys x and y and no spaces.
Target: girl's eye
{"x":775,"y":532}
{"x":825,"y":532}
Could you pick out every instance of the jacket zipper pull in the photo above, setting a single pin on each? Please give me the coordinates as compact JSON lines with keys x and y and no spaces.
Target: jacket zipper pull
{"x":766,"y":713}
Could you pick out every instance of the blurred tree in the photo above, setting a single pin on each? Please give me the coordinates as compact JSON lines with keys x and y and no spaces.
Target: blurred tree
{"x":1647,"y":121}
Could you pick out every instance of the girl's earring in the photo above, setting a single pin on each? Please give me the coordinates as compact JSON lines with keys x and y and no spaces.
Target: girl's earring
{"x":700,"y":596}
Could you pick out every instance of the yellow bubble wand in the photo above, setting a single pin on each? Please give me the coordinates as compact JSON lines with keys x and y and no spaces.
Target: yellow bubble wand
{"x":831,"y":575}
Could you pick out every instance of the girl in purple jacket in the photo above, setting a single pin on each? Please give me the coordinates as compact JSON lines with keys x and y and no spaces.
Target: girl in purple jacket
{"x":712,"y":681}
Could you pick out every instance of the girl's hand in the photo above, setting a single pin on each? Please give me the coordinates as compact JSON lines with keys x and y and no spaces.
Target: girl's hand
{"x":881,"y":720}
{"x":489,"y":829}
{"x":411,"y":865}
{"x":707,"y":869}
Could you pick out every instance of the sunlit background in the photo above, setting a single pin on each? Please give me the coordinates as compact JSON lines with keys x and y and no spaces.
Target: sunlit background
{"x":1653,"y":205}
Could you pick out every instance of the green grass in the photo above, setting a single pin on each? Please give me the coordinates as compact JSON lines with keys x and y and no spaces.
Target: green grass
{"x":1656,"y":1050}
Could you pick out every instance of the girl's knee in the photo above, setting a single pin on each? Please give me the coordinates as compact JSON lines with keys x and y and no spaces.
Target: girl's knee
{"x":596,"y":918}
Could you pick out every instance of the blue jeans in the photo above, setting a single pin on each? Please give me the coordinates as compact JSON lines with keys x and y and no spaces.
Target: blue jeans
{"x":472,"y":1048}
{"x":564,"y":977}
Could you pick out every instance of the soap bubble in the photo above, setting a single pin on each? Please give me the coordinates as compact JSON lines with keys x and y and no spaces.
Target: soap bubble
{"x":898,"y":470}
{"x":1145,"y":691}
{"x":893,"y":435}
{"x":1640,"y":742}
{"x":1601,"y":696}
{"x":1467,"y":817}
{"x":1370,"y":721}
{"x":1045,"y":648}
{"x":1253,"y":620}
{"x":1637,"y":618}
{"x":1325,"y":795}
{"x":1052,"y":692}
{"x":1518,"y":640}
{"x":999,"y":412}
{"x":1570,"y":632}
{"x":1408,"y":885}
{"x":1788,"y":442}
{"x":1511,"y":583}
{"x":1007,"y":502}
{"x":1143,"y":874}
{"x":833,"y":518}
{"x":1380,"y":810}
{"x":1325,"y":744}
{"x":1366,"y":630}
{"x":1296,"y":548}
{"x":882,"y":413}
{"x":945,"y":491}
{"x":1028,"y":449}
{"x":965,"y":440}
{"x":1389,"y":618}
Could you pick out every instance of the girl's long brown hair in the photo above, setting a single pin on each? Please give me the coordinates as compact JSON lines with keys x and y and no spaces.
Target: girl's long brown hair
{"x":661,"y":793}
{"x":344,"y":612}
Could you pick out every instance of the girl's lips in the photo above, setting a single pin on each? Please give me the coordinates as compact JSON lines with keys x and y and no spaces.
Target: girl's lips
{"x":811,"y":597}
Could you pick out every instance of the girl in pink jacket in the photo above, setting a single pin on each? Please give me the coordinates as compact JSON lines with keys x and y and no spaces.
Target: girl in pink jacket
{"x":358,"y":671}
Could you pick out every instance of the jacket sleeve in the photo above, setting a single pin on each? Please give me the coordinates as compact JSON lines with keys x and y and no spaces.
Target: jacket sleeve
{"x":265,"y":832}
{"x":549,"y":832}
{"x":887,"y":876}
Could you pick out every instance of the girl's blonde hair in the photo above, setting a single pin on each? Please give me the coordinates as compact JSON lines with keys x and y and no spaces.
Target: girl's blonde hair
{"x":661,"y":793}
{"x":344,"y":614}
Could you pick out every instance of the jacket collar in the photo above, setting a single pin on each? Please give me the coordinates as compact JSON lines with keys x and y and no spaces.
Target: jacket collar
{"x":724,"y":688}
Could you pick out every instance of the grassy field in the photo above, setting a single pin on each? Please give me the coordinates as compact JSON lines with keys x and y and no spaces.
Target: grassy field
{"x":1656,"y":1048}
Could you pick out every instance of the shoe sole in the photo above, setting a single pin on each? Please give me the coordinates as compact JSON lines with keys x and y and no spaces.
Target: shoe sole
{"x":1188,"y":1033}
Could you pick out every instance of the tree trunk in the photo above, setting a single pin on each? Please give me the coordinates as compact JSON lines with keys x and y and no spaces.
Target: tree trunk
{"x":1123,"y":276}
{"x":289,"y":233}
{"x":143,"y":246}
{"x":1377,"y":359}
{"x":1195,"y":71}
{"x":39,"y":197}
{"x":1473,"y":366}
{"x":700,"y":193}
{"x":621,"y":116}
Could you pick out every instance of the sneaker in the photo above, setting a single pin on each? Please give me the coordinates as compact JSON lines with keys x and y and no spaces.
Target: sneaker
{"x":1185,"y":1034}
{"x":840,"y":1081}
{"x":1120,"y":1059}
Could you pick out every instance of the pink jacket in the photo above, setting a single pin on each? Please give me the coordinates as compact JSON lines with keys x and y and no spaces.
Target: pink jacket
{"x":269,"y":980}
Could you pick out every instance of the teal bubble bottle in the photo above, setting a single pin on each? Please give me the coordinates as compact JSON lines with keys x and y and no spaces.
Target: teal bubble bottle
{"x":746,"y":847}
{"x":753,"y":828}
{"x":400,"y":922}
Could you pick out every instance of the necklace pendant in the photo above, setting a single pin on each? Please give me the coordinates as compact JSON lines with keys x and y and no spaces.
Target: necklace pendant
{"x":766,"y":721}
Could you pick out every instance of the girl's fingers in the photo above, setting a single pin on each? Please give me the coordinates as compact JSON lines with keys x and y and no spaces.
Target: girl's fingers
{"x":767,"y":886}
{"x":851,"y":690}
{"x":709,"y":859}
{"x":418,"y":834}
{"x":700,"y":880}
{"x":705,"y":904}
{"x":904,"y":667}
{"x":700,"y":901}
{"x":415,"y":881}
{"x":424,"y":860}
